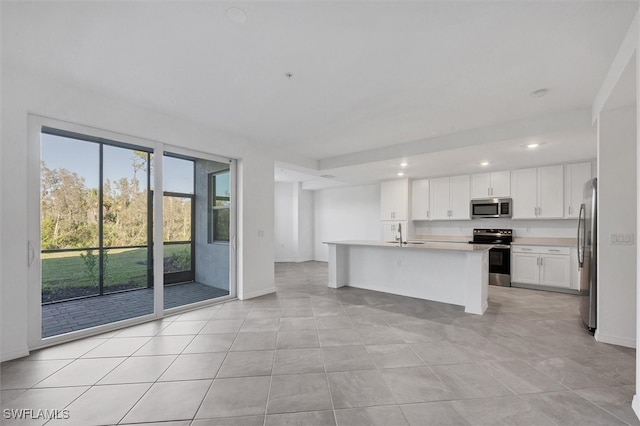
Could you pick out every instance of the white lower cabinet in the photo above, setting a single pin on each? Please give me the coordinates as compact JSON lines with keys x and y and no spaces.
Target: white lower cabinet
{"x":525,"y":267}
{"x":541,"y":266}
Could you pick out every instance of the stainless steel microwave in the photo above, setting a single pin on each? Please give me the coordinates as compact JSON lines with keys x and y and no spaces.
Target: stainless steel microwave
{"x":491,"y":207}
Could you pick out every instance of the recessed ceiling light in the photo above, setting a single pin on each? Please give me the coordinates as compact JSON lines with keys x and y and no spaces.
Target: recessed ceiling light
{"x":400,"y":174}
{"x":539,"y":93}
{"x":533,"y":145}
{"x":403,"y":164}
{"x":327,"y":176}
{"x":236,"y":15}
{"x":484,"y":163}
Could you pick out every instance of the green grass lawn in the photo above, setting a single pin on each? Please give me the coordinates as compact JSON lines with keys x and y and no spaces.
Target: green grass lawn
{"x":66,"y":274}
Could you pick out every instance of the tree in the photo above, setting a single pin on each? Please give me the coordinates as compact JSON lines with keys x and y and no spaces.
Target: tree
{"x":65,"y":206}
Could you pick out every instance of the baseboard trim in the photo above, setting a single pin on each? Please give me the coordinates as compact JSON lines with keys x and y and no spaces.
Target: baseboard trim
{"x":257,"y":293}
{"x":635,"y":404}
{"x":8,"y":356}
{"x":615,"y":340}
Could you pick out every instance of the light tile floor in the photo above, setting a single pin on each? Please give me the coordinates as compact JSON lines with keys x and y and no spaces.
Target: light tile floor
{"x":312,"y":355}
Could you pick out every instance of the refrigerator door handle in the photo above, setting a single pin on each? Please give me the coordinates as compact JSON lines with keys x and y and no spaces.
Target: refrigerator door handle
{"x":581,"y":233}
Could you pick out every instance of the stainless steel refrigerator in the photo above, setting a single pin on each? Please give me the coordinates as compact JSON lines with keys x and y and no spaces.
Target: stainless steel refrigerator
{"x":587,"y":254}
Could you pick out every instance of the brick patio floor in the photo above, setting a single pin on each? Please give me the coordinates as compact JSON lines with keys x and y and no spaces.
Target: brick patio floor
{"x":73,"y":315}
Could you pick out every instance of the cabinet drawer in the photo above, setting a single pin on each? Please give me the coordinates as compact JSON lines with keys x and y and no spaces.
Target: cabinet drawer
{"x":525,"y":249}
{"x":555,"y":250}
{"x":541,"y":250}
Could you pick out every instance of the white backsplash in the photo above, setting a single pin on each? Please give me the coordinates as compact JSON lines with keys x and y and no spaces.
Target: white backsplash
{"x":551,"y":228}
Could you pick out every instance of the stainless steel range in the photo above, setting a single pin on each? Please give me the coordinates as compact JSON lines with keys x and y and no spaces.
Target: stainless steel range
{"x":499,"y":256}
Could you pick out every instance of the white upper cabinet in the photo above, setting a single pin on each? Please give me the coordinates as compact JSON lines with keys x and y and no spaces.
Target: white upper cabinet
{"x":538,"y":193}
{"x":420,"y":200}
{"x":449,"y":198}
{"x":524,"y":185}
{"x":550,"y":192}
{"x":439,"y":198}
{"x":496,"y":184}
{"x":575,"y":176}
{"x":481,"y":185}
{"x":501,"y":184}
{"x":459,"y":197}
{"x":394,"y":199}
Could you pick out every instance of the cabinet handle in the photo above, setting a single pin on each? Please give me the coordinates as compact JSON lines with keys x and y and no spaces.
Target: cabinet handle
{"x":427,"y":214}
{"x":541,"y":259}
{"x":569,"y":209}
{"x":526,"y":249}
{"x":553,"y":250}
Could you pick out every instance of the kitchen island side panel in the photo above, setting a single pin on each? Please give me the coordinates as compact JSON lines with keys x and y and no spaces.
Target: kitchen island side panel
{"x":447,"y":276}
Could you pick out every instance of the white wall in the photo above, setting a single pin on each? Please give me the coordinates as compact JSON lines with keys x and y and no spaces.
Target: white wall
{"x":626,"y":56}
{"x":306,"y":222}
{"x":293,"y":223}
{"x":561,"y":228}
{"x":25,"y":91}
{"x":616,"y":215}
{"x":285,"y":226}
{"x":351,"y":213}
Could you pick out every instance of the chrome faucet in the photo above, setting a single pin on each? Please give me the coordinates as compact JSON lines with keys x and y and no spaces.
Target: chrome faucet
{"x":400,"y":232}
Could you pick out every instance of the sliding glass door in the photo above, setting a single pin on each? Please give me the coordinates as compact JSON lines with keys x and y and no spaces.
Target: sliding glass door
{"x":96,"y":204}
{"x":95,"y":232}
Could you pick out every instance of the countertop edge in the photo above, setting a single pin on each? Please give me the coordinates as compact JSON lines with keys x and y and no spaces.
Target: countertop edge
{"x":464,"y":247}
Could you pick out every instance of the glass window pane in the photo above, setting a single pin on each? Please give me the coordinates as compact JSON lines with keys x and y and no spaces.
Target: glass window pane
{"x":177,"y":175}
{"x":125,"y":197}
{"x":177,"y":258}
{"x":221,"y":225}
{"x":222,"y":190}
{"x":125,"y":219}
{"x":176,"y":219}
{"x":69,"y":193}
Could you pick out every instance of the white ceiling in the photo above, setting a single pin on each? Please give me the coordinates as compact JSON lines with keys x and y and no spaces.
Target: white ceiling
{"x":367,"y":76}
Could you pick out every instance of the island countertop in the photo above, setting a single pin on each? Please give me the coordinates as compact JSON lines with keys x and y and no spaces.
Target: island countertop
{"x":455,"y":246}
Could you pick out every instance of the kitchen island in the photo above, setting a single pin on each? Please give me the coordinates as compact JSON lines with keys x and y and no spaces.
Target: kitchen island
{"x":448,"y":272}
